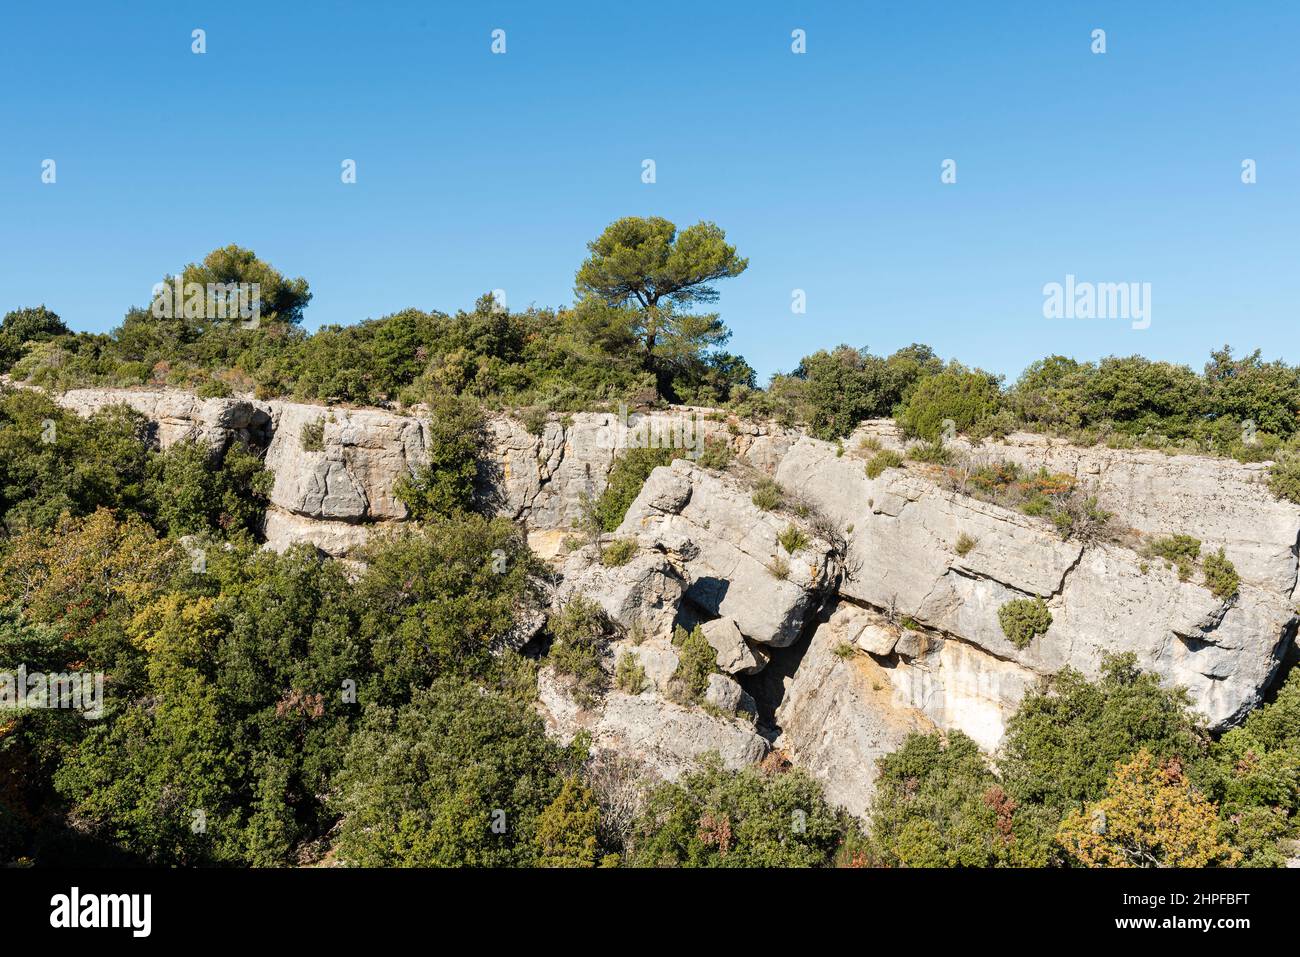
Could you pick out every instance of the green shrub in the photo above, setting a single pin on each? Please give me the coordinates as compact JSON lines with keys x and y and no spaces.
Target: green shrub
{"x":768,"y":494}
{"x":716,"y":454}
{"x":964,"y":397}
{"x":618,"y":552}
{"x":933,"y":453}
{"x":457,"y":444}
{"x":626,"y":479}
{"x":887,"y":459}
{"x":938,"y":804}
{"x":312,"y":436}
{"x":712,"y":817}
{"x":1179,"y":550}
{"x":629,"y":674}
{"x":779,"y":568}
{"x":1221,"y":576}
{"x":214,"y":389}
{"x":964,"y":544}
{"x":793,"y":539}
{"x":1022,"y":619}
{"x":696,"y":660}
{"x":580,"y":635}
{"x":1284,"y":479}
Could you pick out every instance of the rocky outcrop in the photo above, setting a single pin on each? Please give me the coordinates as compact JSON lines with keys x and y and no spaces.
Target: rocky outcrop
{"x":839,"y":716}
{"x":1103,"y":598}
{"x":668,"y":738}
{"x":738,"y":568}
{"x":641,"y":595}
{"x":1224,"y":503}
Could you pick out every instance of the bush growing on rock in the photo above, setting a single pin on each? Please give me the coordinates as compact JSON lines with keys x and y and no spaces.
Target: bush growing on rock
{"x":629,"y":674}
{"x":793,"y":539}
{"x":886,"y":459}
{"x":697,"y":659}
{"x":1179,"y":550}
{"x":626,"y":478}
{"x":962,"y":396}
{"x":768,"y":495}
{"x":1023,"y":619}
{"x":580,"y":634}
{"x":449,"y":482}
{"x":1221,"y":576}
{"x":618,"y":552}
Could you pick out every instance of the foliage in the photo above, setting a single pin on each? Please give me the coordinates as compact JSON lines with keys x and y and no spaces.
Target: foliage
{"x":459,"y":776}
{"x":618,"y":552}
{"x":768,"y":494}
{"x":713,"y":817}
{"x":1148,"y":818}
{"x":312,"y":436}
{"x":193,"y":489}
{"x":1023,"y":619}
{"x":938,"y":804}
{"x":1221,"y":576}
{"x":793,"y":539}
{"x":579,"y":636}
{"x":696,"y":660}
{"x":567,"y":828}
{"x":448,"y":483}
{"x":956,"y":394}
{"x":964,"y":544}
{"x":884,"y":459}
{"x":630,"y":471}
{"x":1179,"y":550}
{"x":629,"y":674}
{"x":438,"y":599}
{"x":1063,"y":742}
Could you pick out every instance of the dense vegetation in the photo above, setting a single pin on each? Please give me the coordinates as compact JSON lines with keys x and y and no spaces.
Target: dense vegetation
{"x":269,"y":709}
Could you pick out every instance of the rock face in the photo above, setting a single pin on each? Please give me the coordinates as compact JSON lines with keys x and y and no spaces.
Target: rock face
{"x":912,"y":638}
{"x":1103,"y":598}
{"x":643,"y":594}
{"x":1224,"y":503}
{"x":839,"y":716}
{"x":736,"y":550}
{"x":667,"y":737}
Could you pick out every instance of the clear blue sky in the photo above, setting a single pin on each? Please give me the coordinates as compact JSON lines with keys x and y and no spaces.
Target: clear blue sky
{"x":478,"y":171}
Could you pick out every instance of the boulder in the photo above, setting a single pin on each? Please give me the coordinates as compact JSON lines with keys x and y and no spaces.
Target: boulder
{"x":735,"y":656}
{"x":667,"y":738}
{"x":735,"y":546}
{"x":641,"y":594}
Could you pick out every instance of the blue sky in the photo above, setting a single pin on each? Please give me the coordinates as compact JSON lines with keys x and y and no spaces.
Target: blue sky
{"x":479,"y":171}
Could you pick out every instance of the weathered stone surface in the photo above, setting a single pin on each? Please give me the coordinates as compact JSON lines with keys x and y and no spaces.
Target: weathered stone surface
{"x":658,"y":657}
{"x":1224,"y":503}
{"x":735,"y":543}
{"x":283,"y":530}
{"x":669,"y":738}
{"x":179,"y":416}
{"x":959,"y":686}
{"x":726,"y":694}
{"x":901,"y":555}
{"x":643,"y":593}
{"x":838,"y":717}
{"x":734,"y":653}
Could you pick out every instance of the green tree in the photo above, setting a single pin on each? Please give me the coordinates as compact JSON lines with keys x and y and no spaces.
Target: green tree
{"x":938,"y":804}
{"x":449,"y":482}
{"x":460,"y":776}
{"x":713,"y":817}
{"x":963,"y":396}
{"x":1062,"y":744}
{"x":646,"y":264}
